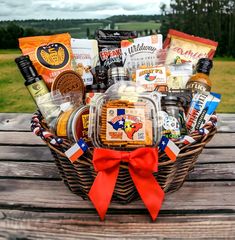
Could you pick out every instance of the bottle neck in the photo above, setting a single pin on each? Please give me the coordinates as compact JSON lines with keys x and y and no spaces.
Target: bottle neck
{"x":31,"y":80}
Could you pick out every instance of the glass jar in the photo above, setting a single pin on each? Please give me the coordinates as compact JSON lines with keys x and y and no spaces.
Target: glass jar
{"x":173,"y":117}
{"x":117,"y":74}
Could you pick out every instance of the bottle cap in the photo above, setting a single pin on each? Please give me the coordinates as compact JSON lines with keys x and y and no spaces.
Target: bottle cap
{"x":26,"y":68}
{"x":204,"y":65}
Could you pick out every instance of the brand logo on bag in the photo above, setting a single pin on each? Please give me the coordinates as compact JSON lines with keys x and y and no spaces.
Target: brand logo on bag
{"x":53,"y":56}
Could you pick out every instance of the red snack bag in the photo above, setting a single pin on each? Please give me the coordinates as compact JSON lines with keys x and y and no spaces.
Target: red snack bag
{"x":183,"y":47}
{"x":50,"y":54}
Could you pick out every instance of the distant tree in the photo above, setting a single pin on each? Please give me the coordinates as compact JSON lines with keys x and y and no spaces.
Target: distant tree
{"x":210,"y":19}
{"x":88,"y":32}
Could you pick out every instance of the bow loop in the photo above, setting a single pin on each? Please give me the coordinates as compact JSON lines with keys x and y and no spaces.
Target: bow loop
{"x":144,"y":160}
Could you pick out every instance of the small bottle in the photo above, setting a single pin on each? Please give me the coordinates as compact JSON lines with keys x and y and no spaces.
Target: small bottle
{"x":200,"y":81}
{"x":99,"y":84}
{"x":33,"y":81}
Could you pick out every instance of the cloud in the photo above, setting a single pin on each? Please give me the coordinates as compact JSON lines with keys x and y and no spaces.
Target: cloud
{"x":28,"y":9}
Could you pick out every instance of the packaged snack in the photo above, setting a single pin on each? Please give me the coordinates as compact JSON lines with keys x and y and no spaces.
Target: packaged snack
{"x":86,"y":56}
{"x":141,"y":51}
{"x":69,"y":81}
{"x":179,"y":75}
{"x":183,"y":47}
{"x":202,"y":107}
{"x":124,"y":118}
{"x":50,"y":54}
{"x":152,"y":77}
{"x":109,"y":46}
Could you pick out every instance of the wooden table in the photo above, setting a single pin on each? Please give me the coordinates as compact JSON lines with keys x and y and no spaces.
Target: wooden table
{"x":35,"y":204}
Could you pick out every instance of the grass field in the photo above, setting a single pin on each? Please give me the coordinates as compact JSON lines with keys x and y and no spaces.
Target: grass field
{"x":14,"y":97}
{"x":138,"y":26}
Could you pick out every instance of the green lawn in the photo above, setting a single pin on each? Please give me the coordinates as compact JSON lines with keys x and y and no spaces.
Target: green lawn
{"x":14,"y":97}
{"x":138,"y":26}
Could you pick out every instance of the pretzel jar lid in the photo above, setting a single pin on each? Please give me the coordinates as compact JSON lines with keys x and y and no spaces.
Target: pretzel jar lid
{"x":125,"y":117}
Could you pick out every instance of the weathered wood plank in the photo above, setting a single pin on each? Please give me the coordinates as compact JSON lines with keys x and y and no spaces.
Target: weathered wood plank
{"x":30,"y":153}
{"x":21,"y":122}
{"x":47,"y":225}
{"x":42,"y":153}
{"x":212,"y":155}
{"x":48,"y":170}
{"x":213,"y":171}
{"x":20,"y":138}
{"x":193,"y":196}
{"x":15,"y":121}
{"x":28,"y":138}
{"x":226,"y":122}
{"x":29,"y":170}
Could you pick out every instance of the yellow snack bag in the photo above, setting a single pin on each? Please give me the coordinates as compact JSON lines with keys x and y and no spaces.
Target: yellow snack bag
{"x":50,"y":54}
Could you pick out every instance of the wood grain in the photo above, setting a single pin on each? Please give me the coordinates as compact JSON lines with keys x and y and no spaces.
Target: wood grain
{"x":48,"y":170}
{"x":35,"y":170}
{"x":42,"y":153}
{"x":25,"y":153}
{"x":49,"y":225}
{"x":193,"y":196}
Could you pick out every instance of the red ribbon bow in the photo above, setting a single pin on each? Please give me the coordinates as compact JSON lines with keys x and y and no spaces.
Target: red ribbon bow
{"x":142,"y":163}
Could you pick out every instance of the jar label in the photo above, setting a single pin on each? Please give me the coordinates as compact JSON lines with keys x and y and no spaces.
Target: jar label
{"x":170,"y":126}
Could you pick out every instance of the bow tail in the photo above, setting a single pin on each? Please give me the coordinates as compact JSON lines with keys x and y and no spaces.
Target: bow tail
{"x":150,"y":192}
{"x":102,"y":190}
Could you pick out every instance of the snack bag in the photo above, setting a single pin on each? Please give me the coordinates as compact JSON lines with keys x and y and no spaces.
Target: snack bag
{"x":183,"y":48}
{"x":50,"y":54}
{"x":86,"y":55}
{"x":152,"y":77}
{"x":109,"y":46}
{"x":141,"y":51}
{"x":201,"y":108}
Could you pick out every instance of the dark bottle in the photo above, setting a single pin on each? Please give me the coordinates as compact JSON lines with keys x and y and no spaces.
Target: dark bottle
{"x":173,"y":117}
{"x":200,"y":81}
{"x":33,"y":81}
{"x":99,"y":85}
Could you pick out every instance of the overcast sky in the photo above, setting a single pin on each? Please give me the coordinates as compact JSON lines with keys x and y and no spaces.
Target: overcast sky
{"x":51,"y":9}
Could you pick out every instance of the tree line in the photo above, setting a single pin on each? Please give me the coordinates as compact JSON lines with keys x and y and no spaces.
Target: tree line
{"x":213,"y":19}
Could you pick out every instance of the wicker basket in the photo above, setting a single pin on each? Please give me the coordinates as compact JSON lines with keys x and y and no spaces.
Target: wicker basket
{"x":79,"y":176}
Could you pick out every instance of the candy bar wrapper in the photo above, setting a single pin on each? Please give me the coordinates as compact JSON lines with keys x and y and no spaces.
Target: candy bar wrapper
{"x":202,"y":107}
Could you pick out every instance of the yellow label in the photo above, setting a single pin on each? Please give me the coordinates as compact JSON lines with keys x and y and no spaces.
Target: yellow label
{"x":85,"y":121}
{"x":37,"y":89}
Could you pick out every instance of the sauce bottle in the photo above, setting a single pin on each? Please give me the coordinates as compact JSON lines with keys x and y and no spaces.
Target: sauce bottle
{"x":200,"y":81}
{"x":33,"y":81}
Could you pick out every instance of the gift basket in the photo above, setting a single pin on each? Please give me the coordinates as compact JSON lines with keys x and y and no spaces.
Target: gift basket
{"x":125,"y":117}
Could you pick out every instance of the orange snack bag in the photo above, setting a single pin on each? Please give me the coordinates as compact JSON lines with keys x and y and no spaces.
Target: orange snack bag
{"x":50,"y":54}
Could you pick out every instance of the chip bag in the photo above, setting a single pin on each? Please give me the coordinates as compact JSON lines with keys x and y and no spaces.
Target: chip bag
{"x":50,"y":54}
{"x":183,"y":48}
